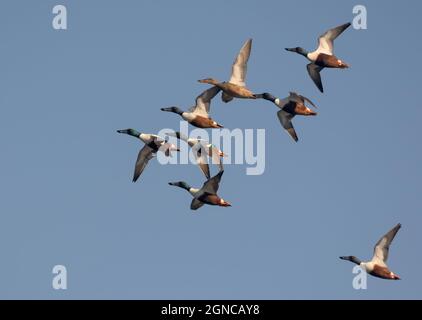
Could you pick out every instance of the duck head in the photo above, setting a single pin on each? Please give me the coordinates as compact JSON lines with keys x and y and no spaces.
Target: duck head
{"x":352,"y":259}
{"x":268,"y":96}
{"x":180,"y":184}
{"x":298,"y":50}
{"x":173,"y":109}
{"x":131,"y":132}
{"x":209,"y":81}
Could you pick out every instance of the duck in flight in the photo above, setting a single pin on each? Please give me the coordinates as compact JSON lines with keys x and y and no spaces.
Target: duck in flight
{"x":198,"y":115}
{"x":377,"y":267}
{"x":201,"y":150}
{"x":206,"y":195}
{"x":153,"y":144}
{"x":323,"y":56}
{"x":294,"y":104}
{"x":236,"y":86}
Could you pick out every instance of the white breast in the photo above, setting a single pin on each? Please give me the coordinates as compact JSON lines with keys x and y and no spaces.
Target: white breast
{"x":281,"y":103}
{"x":188,"y":116}
{"x":193,"y":191}
{"x":313,"y":56}
{"x":146,"y":138}
{"x":367,"y":266}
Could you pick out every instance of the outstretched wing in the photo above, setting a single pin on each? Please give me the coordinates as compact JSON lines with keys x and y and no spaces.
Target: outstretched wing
{"x":301,"y":99}
{"x":240,"y":65}
{"x":144,"y":156}
{"x":314,"y":72}
{"x":226,"y":97}
{"x":201,"y":159}
{"x":326,"y":41}
{"x":383,"y":245}
{"x":212,"y":185}
{"x":214,"y":153}
{"x":203,"y":102}
{"x":178,"y":135}
{"x":286,"y":121}
{"x":196,"y":204}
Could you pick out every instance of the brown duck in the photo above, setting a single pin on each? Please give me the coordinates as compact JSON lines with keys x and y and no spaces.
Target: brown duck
{"x":236,"y":87}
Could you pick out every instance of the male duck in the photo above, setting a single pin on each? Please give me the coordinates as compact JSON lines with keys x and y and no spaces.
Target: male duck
{"x":236,"y":87}
{"x":198,"y":115}
{"x":291,"y":106}
{"x":153,"y":144}
{"x":206,"y":195}
{"x":201,"y":149}
{"x":377,"y":267}
{"x":323,"y":57}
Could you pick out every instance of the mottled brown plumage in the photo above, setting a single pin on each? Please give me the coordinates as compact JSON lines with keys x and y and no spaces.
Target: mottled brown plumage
{"x":230,"y":90}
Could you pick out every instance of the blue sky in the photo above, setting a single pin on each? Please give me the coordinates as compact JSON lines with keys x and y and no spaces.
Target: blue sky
{"x":67,"y":195}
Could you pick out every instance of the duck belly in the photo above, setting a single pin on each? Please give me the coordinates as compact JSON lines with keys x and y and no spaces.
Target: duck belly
{"x":212,"y":200}
{"x":238,"y":91}
{"x":327,"y":61}
{"x":202,"y":122}
{"x":381,"y":272}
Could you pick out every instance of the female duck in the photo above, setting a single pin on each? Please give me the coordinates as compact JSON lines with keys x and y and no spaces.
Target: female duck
{"x":236,"y":87}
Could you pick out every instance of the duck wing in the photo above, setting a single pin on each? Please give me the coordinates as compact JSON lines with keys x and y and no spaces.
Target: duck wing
{"x":226,"y":97}
{"x":203,"y":102}
{"x":144,"y":156}
{"x":182,"y":137}
{"x":196,"y":204}
{"x":314,"y":72}
{"x":212,"y":185}
{"x":240,"y":65}
{"x":301,"y":99}
{"x":383,"y":245}
{"x":326,"y":41}
{"x":286,"y":121}
{"x":201,"y":159}
{"x":156,"y":140}
{"x":214,"y":153}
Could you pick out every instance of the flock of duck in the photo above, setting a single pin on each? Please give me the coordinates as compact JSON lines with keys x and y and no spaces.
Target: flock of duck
{"x":291,"y":106}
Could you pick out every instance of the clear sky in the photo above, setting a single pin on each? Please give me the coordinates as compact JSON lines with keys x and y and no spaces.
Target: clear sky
{"x":66,"y":190}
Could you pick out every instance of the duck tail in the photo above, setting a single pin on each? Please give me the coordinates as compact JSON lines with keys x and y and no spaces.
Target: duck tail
{"x":344,"y":65}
